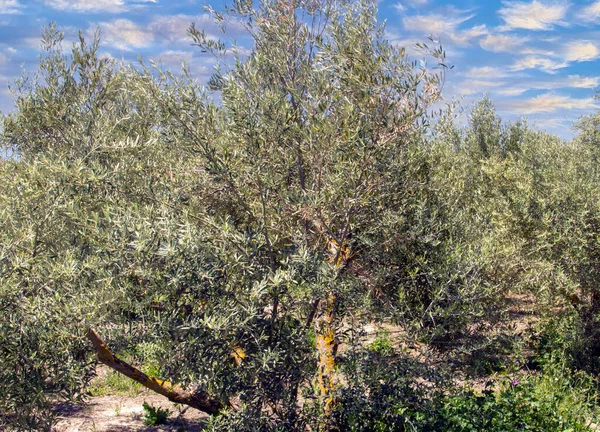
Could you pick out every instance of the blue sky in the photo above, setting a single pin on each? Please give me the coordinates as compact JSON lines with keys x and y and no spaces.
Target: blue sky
{"x":539,"y":59}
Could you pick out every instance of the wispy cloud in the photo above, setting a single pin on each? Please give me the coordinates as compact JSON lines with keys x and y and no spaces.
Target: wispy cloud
{"x":579,"y":51}
{"x":590,"y":13}
{"x":501,"y":43}
{"x":550,"y":102}
{"x":563,"y":56}
{"x":125,"y":35}
{"x":512,"y":91}
{"x":173,"y":28}
{"x":409,"y":44}
{"x":465,"y":37}
{"x":416,"y":3}
{"x":577,"y":81}
{"x":95,"y":6}
{"x":87,"y":6}
{"x":568,"y":82}
{"x":446,"y":26}
{"x":535,"y":15}
{"x":173,"y":58}
{"x":487,"y":72}
{"x":542,"y":63}
{"x":9,"y":7}
{"x":399,"y":7}
{"x":471,"y":87}
{"x":434,"y":23}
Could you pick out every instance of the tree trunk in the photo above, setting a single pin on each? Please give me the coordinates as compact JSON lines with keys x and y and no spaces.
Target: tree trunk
{"x":327,"y":345}
{"x":200,"y":400}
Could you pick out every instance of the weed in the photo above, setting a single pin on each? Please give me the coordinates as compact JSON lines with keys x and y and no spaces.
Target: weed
{"x":382,"y":344}
{"x":155,"y":416}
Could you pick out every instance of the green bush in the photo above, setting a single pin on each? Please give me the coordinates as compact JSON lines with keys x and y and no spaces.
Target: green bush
{"x":155,"y":416}
{"x":392,"y":395}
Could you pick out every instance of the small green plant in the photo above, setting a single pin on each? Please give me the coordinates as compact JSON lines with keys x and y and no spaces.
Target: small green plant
{"x":382,"y":344}
{"x":155,"y":416}
{"x":558,"y":399}
{"x":114,"y":383}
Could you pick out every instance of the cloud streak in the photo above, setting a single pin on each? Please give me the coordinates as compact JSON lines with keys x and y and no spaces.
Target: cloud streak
{"x":502,"y":43}
{"x":10,"y":7}
{"x":590,"y":13}
{"x":125,"y":35}
{"x":95,"y":6}
{"x":549,"y":103}
{"x":535,"y":15}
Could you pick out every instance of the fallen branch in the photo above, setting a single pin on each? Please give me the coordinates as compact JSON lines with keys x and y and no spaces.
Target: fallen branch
{"x":200,"y":400}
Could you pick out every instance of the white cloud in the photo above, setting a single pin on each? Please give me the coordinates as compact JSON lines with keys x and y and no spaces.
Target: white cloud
{"x":580,"y":51}
{"x":571,"y":81}
{"x":9,"y":7}
{"x":590,"y":13}
{"x":582,"y":82}
{"x":538,"y":51}
{"x":487,"y":72}
{"x":96,"y":6}
{"x":417,"y":3}
{"x":464,"y":37}
{"x":536,"y":15}
{"x":513,"y":91}
{"x":445,"y":26}
{"x":111,"y":6}
{"x":550,"y":61}
{"x":501,"y":43}
{"x":399,"y":7}
{"x":434,"y":23}
{"x":549,"y":102}
{"x":532,"y":62}
{"x":556,"y":126}
{"x":409,"y":45}
{"x":173,"y":59}
{"x":125,"y":35}
{"x":173,"y":28}
{"x":471,"y":87}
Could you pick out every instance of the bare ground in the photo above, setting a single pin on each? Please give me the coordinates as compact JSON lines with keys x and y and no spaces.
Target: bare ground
{"x":123,"y":413}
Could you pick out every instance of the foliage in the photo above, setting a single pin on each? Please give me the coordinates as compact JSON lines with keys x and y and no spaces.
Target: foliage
{"x":382,"y":344}
{"x":155,"y":416}
{"x":384,"y":398}
{"x":115,"y":383}
{"x":137,"y":205}
{"x":220,"y":234}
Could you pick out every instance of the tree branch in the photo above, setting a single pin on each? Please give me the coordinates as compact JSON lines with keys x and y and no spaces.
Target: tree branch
{"x":200,"y":400}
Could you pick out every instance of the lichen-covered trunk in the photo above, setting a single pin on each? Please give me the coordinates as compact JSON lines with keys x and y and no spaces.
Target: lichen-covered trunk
{"x":326,"y":340}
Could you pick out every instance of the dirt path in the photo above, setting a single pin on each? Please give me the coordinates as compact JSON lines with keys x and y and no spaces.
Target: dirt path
{"x":122,"y":413}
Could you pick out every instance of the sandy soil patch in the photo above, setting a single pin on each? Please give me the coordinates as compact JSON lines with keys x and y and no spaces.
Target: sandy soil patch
{"x":122,"y":413}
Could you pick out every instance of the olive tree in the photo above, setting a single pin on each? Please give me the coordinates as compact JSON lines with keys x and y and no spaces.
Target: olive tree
{"x":232,"y":237}
{"x":309,"y":144}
